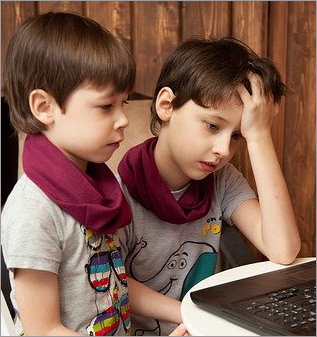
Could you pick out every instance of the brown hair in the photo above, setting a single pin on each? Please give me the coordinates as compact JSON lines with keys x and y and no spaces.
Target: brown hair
{"x":57,"y":52}
{"x":208,"y":71}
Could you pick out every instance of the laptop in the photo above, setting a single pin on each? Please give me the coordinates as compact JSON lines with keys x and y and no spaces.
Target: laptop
{"x":281,"y":302}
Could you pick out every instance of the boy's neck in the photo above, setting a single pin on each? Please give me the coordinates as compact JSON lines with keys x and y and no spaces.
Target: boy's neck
{"x":167,"y":168}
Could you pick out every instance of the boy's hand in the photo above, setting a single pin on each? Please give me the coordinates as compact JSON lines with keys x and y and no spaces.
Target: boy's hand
{"x":258,"y":110}
{"x":180,"y":331}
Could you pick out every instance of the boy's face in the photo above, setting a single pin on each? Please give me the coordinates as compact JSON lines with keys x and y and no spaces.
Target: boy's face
{"x":197,"y":141}
{"x":91,"y":127}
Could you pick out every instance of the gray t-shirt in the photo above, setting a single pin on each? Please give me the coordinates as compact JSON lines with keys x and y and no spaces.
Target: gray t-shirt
{"x":172,"y":258}
{"x":38,"y":234}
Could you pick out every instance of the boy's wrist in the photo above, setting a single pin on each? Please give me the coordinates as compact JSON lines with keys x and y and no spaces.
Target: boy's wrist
{"x":258,"y":137}
{"x":261,"y":146}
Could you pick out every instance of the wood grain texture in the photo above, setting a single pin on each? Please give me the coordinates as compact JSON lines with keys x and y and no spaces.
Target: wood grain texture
{"x":249,"y":23}
{"x":205,"y":18}
{"x":13,"y":13}
{"x":63,"y":6}
{"x":277,"y":51}
{"x":300,"y":120}
{"x":113,"y":15}
{"x":155,"y":34}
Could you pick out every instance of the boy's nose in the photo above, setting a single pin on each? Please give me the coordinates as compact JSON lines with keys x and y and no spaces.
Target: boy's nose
{"x":122,"y":120}
{"x":222,"y":148}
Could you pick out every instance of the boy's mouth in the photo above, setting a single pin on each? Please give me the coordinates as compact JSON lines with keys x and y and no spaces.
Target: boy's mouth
{"x":208,"y":166}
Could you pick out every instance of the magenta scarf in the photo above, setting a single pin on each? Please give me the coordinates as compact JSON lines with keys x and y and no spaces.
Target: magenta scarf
{"x":94,"y":198}
{"x":139,"y":173}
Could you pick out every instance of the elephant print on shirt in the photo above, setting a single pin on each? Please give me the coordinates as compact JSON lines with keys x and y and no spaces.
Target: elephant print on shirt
{"x":179,"y":267}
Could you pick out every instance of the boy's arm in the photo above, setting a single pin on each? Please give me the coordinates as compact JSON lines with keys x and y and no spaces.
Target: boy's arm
{"x":147,"y":302}
{"x":270,"y":223}
{"x":38,"y":302}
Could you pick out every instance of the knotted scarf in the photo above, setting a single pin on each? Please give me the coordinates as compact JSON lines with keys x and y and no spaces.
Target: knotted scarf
{"x":139,"y":173}
{"x":95,"y":198}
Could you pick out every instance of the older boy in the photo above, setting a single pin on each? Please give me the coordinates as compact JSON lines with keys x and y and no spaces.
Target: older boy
{"x":180,"y":185}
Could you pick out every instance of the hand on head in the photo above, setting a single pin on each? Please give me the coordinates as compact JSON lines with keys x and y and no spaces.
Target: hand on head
{"x":259,"y":110}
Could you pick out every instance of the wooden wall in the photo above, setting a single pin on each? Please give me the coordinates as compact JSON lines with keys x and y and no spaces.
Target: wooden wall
{"x":282,"y":30}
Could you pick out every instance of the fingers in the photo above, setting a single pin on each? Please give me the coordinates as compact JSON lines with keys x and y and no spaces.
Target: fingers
{"x":180,"y":331}
{"x":256,"y":85}
{"x":257,"y":90}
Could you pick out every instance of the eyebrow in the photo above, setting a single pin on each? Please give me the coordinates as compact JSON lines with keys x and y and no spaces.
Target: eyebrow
{"x":108,"y":95}
{"x":219,"y":117}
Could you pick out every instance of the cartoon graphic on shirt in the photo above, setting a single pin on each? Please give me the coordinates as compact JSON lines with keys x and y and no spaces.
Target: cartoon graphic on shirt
{"x":106,"y":260}
{"x":107,"y":322}
{"x":191,"y":272}
{"x":156,"y":329}
{"x":100,"y":267}
{"x":178,"y":267}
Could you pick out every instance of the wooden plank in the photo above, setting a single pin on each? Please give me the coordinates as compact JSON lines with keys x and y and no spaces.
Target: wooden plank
{"x":206,"y":18}
{"x":7,"y":28}
{"x":277,"y":51}
{"x":12,"y":15}
{"x":61,"y":6}
{"x":300,"y":120}
{"x":249,"y":24}
{"x":113,"y":15}
{"x":155,"y":34}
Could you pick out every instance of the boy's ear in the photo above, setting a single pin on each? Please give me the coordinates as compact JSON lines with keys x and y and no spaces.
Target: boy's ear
{"x":41,"y":104}
{"x":163,"y":105}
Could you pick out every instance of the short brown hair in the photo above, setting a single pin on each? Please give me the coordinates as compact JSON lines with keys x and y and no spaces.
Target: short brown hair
{"x":208,"y":72}
{"x":57,"y":52}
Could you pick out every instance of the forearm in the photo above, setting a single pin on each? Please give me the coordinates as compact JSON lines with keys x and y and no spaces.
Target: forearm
{"x":59,"y":330}
{"x":147,"y":302}
{"x":280,"y":238}
{"x":38,"y":317}
{"x":50,"y":329}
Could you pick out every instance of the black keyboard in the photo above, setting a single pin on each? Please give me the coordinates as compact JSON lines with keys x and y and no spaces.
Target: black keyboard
{"x":294,"y":307}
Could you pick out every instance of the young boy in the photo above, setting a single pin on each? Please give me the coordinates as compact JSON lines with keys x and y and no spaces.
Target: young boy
{"x":66,"y":80}
{"x":181,"y":186}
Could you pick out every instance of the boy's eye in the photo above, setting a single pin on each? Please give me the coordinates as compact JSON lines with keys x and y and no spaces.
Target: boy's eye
{"x":212,"y":127}
{"x":236,"y":136}
{"x":106,"y":107}
{"x":124,"y":102}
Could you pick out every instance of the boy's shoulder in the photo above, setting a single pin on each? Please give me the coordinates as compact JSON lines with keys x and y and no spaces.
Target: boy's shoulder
{"x":26,"y":198}
{"x":26,"y":188}
{"x":227,"y":173}
{"x":231,"y":184}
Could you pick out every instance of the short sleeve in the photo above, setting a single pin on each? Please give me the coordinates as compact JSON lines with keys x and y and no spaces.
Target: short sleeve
{"x":29,"y":235}
{"x":232,"y":189}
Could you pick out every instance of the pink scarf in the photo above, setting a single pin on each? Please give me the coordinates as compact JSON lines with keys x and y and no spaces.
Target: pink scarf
{"x":139,"y":173}
{"x":94,"y":198}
